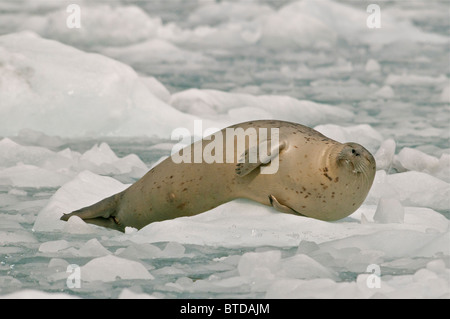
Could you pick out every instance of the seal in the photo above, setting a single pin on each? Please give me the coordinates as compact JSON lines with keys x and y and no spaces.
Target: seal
{"x":315,"y":177}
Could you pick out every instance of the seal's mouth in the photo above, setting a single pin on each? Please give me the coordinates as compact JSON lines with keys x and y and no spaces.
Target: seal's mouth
{"x":352,"y":166}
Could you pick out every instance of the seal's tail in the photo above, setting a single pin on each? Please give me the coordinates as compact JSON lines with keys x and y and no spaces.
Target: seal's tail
{"x":101,"y":213}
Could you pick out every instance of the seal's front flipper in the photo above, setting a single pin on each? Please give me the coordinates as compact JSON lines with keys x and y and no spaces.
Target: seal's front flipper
{"x":101,"y":214}
{"x":259,"y":155}
{"x":282,"y":208}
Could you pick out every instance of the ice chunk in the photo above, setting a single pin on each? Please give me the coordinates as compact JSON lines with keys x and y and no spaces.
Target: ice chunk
{"x":413,"y":79}
{"x":110,"y":268}
{"x":363,"y":134}
{"x":296,"y":288}
{"x":411,"y":188}
{"x":323,"y":20}
{"x":173,"y":249}
{"x":306,"y":247}
{"x":437,"y":266}
{"x":17,"y":192}
{"x":420,"y":189}
{"x":251,"y":263}
{"x":389,"y":210}
{"x":217,"y":13}
{"x":157,"y":88}
{"x":445,"y":94}
{"x":139,"y":251}
{"x":129,"y":294}
{"x":101,"y":159}
{"x":53,"y":246}
{"x":10,"y":282}
{"x":95,"y":96}
{"x":291,"y":26}
{"x":385,"y":92}
{"x":394,"y":243}
{"x":415,"y":160}
{"x":23,"y":175}
{"x":9,"y":237}
{"x":436,"y":246}
{"x":36,"y":294}
{"x":58,"y":263}
{"x":103,"y":25}
{"x":12,"y":153}
{"x":99,"y":154}
{"x":304,"y":267}
{"x":93,"y":248}
{"x":152,"y":52}
{"x":385,"y":155}
{"x":213,"y":103}
{"x":75,"y":225}
{"x":381,"y":188}
{"x":32,"y":137}
{"x":372,"y":66}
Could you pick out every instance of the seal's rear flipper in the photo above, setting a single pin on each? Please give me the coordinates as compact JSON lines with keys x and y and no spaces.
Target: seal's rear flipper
{"x":101,"y":214}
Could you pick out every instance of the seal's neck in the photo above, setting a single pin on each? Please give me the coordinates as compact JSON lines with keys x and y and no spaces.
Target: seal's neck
{"x":330,"y":155}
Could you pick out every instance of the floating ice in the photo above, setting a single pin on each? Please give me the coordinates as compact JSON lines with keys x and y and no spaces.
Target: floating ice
{"x":129,"y":294}
{"x":154,"y":51}
{"x":16,"y":237}
{"x":102,"y":160}
{"x":75,"y":225}
{"x":363,"y":134}
{"x":389,"y":210}
{"x":140,"y":251}
{"x":53,"y":246}
{"x":253,"y":264}
{"x":50,"y":169}
{"x":102,"y":25}
{"x":354,"y":26}
{"x":11,"y":153}
{"x":218,"y":13}
{"x":110,"y":268}
{"x":414,"y":160}
{"x":36,"y":294}
{"x":415,"y":80}
{"x":92,"y":248}
{"x":238,"y":107}
{"x":92,"y":96}
{"x":420,"y":189}
{"x":372,"y":66}
{"x":411,"y":188}
{"x":445,"y":94}
{"x":23,"y":175}
{"x":304,"y":267}
{"x":385,"y":155}
{"x":156,"y":87}
{"x":385,"y":92}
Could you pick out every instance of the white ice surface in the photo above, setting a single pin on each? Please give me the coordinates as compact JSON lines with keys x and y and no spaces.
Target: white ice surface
{"x":239,"y":107}
{"x":233,"y":224}
{"x":76,"y":93}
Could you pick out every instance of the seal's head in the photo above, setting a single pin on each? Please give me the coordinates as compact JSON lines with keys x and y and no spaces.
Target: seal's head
{"x":357,"y":160}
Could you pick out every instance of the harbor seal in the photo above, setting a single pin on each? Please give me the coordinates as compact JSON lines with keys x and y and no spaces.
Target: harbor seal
{"x":315,"y":176}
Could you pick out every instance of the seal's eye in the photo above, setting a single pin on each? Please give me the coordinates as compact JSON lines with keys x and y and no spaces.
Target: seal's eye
{"x":354,"y":152}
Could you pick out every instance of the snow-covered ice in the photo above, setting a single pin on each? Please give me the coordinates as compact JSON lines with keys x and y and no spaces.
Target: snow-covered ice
{"x":86,"y":112}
